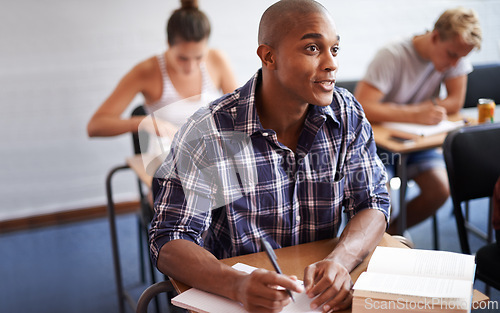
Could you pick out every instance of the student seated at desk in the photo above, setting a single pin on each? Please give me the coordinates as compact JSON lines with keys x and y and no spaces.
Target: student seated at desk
{"x":402,"y":84}
{"x":188,"y":69}
{"x":278,"y":159}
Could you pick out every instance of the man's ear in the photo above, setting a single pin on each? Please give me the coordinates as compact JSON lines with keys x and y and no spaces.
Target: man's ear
{"x":435,"y":37}
{"x":267,"y":56}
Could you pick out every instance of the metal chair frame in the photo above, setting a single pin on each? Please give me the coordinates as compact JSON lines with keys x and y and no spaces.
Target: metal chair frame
{"x":144,"y":217}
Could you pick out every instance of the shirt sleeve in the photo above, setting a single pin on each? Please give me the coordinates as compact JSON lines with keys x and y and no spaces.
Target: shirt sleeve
{"x":463,"y":67}
{"x":184,"y":199}
{"x":208,"y":168}
{"x":365,"y":175}
{"x":381,"y":71}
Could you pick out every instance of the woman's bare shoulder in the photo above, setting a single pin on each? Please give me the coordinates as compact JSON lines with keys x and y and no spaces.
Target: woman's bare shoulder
{"x":217,"y":57}
{"x":147,"y":68}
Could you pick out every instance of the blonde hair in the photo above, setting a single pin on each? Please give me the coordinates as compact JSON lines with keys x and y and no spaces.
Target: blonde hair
{"x":460,"y":22}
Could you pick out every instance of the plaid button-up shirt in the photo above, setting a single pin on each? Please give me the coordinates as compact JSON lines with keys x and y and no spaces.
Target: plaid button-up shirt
{"x":228,"y":181}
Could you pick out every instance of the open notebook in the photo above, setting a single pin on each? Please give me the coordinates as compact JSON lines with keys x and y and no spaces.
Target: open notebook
{"x":424,"y":130}
{"x":205,"y":302}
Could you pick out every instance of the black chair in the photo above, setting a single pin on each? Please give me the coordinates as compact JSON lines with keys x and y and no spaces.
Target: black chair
{"x":488,"y":256}
{"x":472,"y":156}
{"x":140,"y":143}
{"x":483,"y":83}
{"x":350,"y":85}
{"x":487,"y":265}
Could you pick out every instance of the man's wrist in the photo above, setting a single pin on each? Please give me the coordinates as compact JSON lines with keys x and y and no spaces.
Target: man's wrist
{"x":345,"y":259}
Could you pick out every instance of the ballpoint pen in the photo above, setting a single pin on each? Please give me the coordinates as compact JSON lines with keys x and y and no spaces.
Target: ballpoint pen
{"x":272,"y":257}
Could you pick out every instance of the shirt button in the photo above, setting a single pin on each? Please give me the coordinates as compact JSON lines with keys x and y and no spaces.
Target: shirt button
{"x":297,"y":219}
{"x":265,"y":134}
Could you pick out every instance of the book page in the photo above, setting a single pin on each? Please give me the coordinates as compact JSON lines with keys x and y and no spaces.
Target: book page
{"x":416,"y":262}
{"x":205,"y":302}
{"x":428,"y":287}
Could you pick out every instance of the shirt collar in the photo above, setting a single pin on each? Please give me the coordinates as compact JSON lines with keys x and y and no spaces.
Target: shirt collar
{"x":247,"y":119}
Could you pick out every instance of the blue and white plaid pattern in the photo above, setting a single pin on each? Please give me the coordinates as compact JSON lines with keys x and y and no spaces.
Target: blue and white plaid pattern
{"x":227,"y":181}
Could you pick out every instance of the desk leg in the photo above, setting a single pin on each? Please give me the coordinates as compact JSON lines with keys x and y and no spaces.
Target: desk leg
{"x":114,"y":239}
{"x":403,"y":176}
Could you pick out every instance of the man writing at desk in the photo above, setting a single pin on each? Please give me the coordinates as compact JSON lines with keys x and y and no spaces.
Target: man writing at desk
{"x":402,"y":84}
{"x":278,"y":159}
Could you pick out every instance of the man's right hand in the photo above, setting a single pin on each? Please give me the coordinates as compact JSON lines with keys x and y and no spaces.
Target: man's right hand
{"x":429,"y":114}
{"x":258,"y":291}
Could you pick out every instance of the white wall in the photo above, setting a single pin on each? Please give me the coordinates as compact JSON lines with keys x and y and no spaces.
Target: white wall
{"x":60,"y":59}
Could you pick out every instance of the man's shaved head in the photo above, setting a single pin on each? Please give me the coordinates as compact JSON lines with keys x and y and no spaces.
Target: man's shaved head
{"x":280,"y":18}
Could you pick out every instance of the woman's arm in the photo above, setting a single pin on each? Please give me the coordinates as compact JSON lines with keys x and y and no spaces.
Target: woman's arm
{"x":107,"y":120}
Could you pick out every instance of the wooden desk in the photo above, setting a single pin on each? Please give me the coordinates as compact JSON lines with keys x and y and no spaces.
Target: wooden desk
{"x":294,"y":259}
{"x":382,"y":139}
{"x":419,"y":143}
{"x":471,"y":113}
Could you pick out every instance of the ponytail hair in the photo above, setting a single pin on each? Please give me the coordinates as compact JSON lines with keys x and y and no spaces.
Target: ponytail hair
{"x":187,"y":23}
{"x":189,"y":4}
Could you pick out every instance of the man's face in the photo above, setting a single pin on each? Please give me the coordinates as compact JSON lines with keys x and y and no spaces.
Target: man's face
{"x":447,"y":53}
{"x":306,"y":60}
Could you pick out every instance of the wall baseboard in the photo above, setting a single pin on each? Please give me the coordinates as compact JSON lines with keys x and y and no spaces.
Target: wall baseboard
{"x":65,"y":217}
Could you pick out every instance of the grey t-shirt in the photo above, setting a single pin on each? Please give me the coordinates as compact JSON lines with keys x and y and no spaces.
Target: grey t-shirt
{"x":404,"y":77}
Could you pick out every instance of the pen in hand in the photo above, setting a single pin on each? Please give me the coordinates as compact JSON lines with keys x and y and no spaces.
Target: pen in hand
{"x":272,"y":257}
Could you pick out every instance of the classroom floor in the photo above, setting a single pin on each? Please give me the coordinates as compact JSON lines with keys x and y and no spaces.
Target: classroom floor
{"x":69,"y":268}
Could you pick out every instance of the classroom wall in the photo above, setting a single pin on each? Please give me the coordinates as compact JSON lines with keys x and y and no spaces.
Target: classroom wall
{"x":60,"y":59}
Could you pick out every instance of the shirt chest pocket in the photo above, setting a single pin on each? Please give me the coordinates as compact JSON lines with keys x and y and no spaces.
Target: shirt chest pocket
{"x":323,"y":195}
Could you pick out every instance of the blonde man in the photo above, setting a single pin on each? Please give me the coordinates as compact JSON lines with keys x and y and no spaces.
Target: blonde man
{"x":402,"y":84}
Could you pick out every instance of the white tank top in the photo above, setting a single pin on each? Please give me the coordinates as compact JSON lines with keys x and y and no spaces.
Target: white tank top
{"x":171,"y":107}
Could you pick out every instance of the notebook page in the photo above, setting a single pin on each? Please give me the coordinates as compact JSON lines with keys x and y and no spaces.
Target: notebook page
{"x":424,"y":130}
{"x":205,"y":302}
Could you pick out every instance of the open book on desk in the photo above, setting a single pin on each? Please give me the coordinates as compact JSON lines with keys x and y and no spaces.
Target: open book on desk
{"x":413,"y":280}
{"x":205,"y":302}
{"x":424,"y":130}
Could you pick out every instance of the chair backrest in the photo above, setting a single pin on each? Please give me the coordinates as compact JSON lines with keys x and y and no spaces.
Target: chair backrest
{"x":472,"y":156}
{"x":140,"y":139}
{"x":347,"y":84}
{"x":483,"y":83}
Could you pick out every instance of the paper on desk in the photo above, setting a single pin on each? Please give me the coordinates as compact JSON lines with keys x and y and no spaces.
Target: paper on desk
{"x":205,"y":302}
{"x":424,"y":130}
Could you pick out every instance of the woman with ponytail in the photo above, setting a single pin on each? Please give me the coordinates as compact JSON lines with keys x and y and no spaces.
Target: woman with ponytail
{"x":174,"y":84}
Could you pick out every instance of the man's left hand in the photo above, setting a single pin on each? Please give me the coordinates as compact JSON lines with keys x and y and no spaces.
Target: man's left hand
{"x":330,"y":283}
